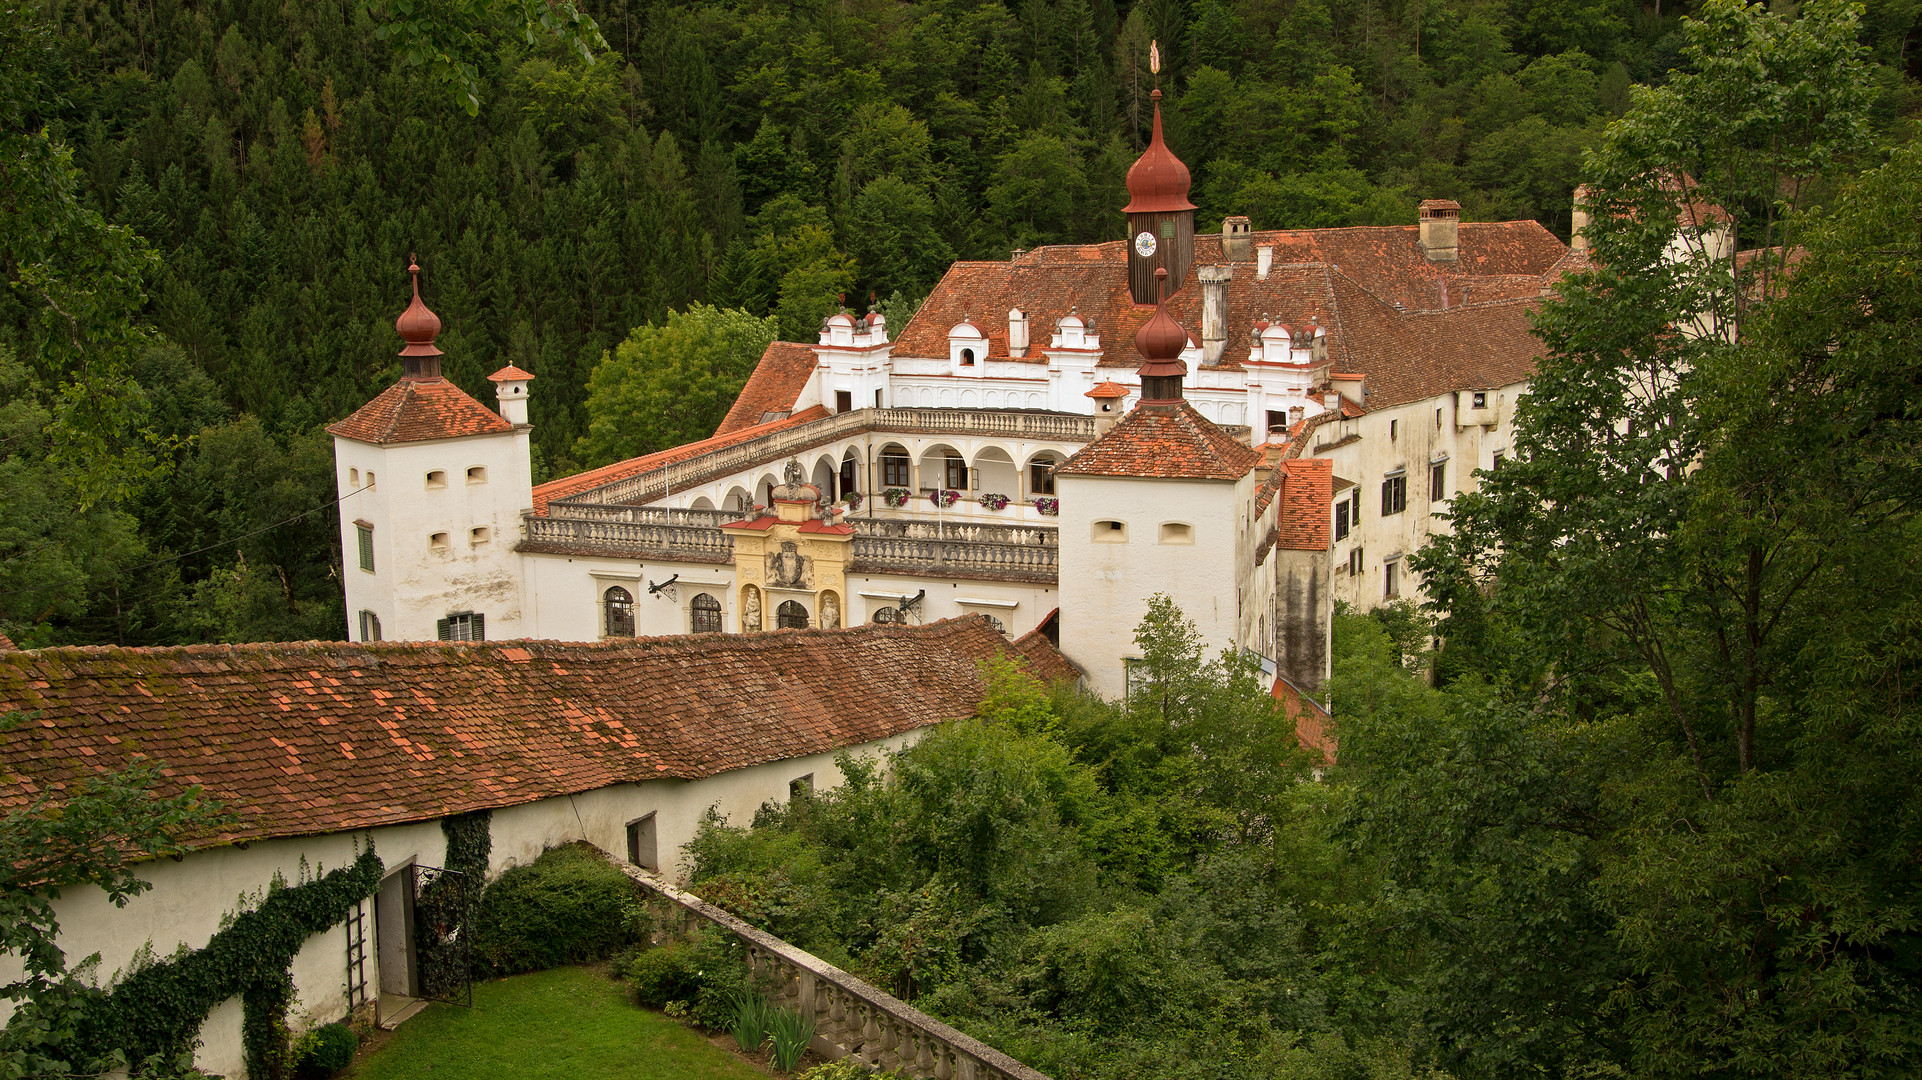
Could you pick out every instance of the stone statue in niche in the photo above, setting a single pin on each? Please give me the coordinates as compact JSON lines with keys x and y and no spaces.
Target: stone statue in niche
{"x":751,"y":609}
{"x":787,"y":568}
{"x":830,"y":607}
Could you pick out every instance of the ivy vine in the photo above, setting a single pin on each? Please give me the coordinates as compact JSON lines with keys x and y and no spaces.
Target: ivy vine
{"x":451,"y":901}
{"x":159,"y":1009}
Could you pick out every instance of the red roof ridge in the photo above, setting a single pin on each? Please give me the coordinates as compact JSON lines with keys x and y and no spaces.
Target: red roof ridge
{"x":1165,"y":442}
{"x":565,"y":486}
{"x":419,"y":410}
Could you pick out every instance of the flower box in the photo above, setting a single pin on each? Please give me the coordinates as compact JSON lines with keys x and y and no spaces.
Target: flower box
{"x":994,"y":500}
{"x":1047,"y":505}
{"x":943,"y":498}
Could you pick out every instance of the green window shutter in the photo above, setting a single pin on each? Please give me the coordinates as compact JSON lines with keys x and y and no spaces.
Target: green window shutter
{"x":480,"y":628}
{"x":441,"y":628}
{"x":366,"y":547}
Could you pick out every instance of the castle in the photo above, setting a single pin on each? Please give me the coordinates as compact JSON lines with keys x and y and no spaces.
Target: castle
{"x":1255,"y":424}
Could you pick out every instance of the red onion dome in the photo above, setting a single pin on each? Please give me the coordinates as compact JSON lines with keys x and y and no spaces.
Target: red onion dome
{"x":1161,"y":339}
{"x":418,"y":326}
{"x":1157,"y":181}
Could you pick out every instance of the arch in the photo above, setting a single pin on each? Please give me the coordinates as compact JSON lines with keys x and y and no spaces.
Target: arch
{"x":737,"y":499}
{"x":994,"y":471}
{"x":829,"y":605}
{"x":701,"y":502}
{"x":897,"y":468}
{"x":943,"y":465}
{"x":967,"y":357}
{"x":823,"y":477}
{"x":764,"y":489}
{"x":617,"y":605}
{"x":947,"y":398}
{"x":791,"y":615}
{"x":969,"y":399}
{"x":1037,"y":473}
{"x":704,"y":614}
{"x":848,"y":480}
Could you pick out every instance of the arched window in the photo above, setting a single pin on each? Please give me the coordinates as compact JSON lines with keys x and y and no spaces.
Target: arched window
{"x":705,"y":615}
{"x":791,"y":616}
{"x":967,"y":357}
{"x":620,"y":612}
{"x":1041,"y":476}
{"x":894,"y":467}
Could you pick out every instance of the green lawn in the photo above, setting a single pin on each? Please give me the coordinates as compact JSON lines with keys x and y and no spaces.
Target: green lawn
{"x":567,"y":1023}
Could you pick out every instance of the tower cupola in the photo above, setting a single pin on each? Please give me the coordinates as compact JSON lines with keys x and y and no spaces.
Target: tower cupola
{"x":1161,"y":220}
{"x":1160,"y":342}
{"x":418,"y":327}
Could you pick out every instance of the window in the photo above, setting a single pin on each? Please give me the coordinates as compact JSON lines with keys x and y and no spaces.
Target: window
{"x":791,"y":616}
{"x":369,"y":626}
{"x":894,"y":467}
{"x":1341,"y":520}
{"x":800,"y":787}
{"x":366,"y":537}
{"x":704,"y":615}
{"x":477,"y":474}
{"x":1394,"y":495}
{"x":877,"y":399}
{"x":1175,"y":532}
{"x":1499,"y":458}
{"x":353,"y":478}
{"x":967,"y":357}
{"x":1110,"y":532}
{"x":1481,"y":399}
{"x":1355,"y":563}
{"x":640,"y":843}
{"x":1438,"y":481}
{"x":478,"y":535}
{"x":1438,"y":419}
{"x":619,"y":605}
{"x":1394,"y":428}
{"x":843,"y":401}
{"x":1041,"y":477}
{"x":438,"y":540}
{"x":436,"y":479}
{"x":1391,"y":579}
{"x":1135,"y":675}
{"x":370,"y":479}
{"x":957,"y":472}
{"x":465,"y":626}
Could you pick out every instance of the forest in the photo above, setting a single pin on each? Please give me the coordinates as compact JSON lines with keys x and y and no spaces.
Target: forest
{"x":250,"y":179}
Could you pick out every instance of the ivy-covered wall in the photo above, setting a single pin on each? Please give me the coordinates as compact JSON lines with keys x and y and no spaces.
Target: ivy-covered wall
{"x":159,"y":1008}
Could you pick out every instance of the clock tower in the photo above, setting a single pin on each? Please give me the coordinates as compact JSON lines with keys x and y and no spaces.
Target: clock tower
{"x":1161,"y":220}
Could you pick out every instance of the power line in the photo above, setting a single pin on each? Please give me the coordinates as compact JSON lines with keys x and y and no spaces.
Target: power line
{"x":247,"y":536}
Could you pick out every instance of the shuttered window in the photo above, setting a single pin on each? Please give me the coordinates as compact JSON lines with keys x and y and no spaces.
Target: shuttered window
{"x":366,"y":547}
{"x":466,"y":626}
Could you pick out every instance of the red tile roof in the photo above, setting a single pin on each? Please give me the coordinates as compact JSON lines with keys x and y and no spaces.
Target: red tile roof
{"x":1307,"y":493}
{"x":1314,"y":728}
{"x":326,"y":736}
{"x":1169,"y":442}
{"x":510,"y":373}
{"x":621,"y":470}
{"x":1348,"y":280}
{"x":416,"y":410}
{"x":1108,"y":388}
{"x":778,"y":379}
{"x":1044,"y":660}
{"x":6,"y":644}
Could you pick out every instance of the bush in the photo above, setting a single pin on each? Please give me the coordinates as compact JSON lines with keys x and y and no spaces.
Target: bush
{"x":569,"y":906}
{"x":661,"y":976}
{"x":325,"y":1051}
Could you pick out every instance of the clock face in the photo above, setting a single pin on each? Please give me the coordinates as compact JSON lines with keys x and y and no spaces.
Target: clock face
{"x":1144,"y":244}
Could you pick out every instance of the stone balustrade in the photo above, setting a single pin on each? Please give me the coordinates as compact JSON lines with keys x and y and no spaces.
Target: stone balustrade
{"x":605,"y":535}
{"x":778,"y":446}
{"x":954,"y":557}
{"x":851,"y":1017}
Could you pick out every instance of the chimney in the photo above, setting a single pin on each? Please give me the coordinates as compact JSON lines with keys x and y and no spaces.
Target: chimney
{"x":1017,"y":333}
{"x":1440,"y":223}
{"x":1264,"y":261}
{"x":1578,"y":221}
{"x":1236,"y":238}
{"x":510,"y":389}
{"x":1214,"y":311}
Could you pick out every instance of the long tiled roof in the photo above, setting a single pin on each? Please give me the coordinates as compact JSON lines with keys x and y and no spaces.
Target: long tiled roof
{"x":1166,"y":442}
{"x":778,"y":379}
{"x":621,"y":470}
{"x":1347,"y":280}
{"x":1307,"y":493}
{"x":327,"y":736}
{"x":416,"y":410}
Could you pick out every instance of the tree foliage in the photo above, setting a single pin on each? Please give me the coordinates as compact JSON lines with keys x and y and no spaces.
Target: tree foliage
{"x":670,"y":384}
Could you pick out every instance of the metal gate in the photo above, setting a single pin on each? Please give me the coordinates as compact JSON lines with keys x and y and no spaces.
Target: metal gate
{"x":444,"y":902}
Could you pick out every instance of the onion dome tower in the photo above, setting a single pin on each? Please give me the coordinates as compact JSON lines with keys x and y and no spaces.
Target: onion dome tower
{"x":1160,"y":341}
{"x":418,"y":327}
{"x":1161,"y":220}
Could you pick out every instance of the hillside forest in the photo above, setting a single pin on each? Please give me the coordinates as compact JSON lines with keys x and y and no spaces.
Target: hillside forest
{"x":250,"y":178}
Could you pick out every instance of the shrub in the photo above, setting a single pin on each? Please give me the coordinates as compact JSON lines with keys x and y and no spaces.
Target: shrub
{"x":325,"y":1051}
{"x":752,"y":1018}
{"x":567,"y":907}
{"x":665,"y":975}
